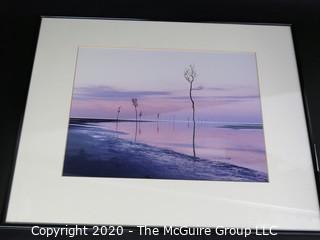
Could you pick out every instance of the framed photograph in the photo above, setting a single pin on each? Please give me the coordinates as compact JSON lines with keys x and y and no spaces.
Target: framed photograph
{"x":145,"y":123}
{"x":165,"y":123}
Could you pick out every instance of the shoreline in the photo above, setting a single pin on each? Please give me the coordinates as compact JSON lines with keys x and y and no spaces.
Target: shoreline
{"x":110,"y":156}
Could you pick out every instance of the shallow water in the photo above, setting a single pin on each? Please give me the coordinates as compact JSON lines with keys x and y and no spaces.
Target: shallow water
{"x":93,"y":150}
{"x":235,"y":144}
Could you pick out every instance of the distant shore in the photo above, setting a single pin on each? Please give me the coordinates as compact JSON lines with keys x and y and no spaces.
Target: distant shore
{"x":97,"y":120}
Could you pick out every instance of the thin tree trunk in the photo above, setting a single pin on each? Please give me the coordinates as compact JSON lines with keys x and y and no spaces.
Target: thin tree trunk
{"x":194,"y":122}
{"x":135,"y":136}
{"x":117,"y":121}
{"x":136,"y":114}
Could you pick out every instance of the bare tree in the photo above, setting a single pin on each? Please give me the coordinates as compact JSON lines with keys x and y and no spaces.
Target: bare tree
{"x":140,"y":115}
{"x":190,"y":75}
{"x":158,"y":116}
{"x":135,"y":105}
{"x":118,"y":112}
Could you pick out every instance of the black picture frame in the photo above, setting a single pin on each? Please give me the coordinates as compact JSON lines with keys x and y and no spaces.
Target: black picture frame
{"x":307,"y":50}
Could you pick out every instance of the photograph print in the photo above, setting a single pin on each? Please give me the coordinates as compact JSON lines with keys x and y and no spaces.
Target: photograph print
{"x":166,"y":114}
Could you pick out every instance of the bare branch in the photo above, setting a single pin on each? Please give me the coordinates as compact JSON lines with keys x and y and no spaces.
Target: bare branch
{"x":190,"y":74}
{"x":134,"y":102}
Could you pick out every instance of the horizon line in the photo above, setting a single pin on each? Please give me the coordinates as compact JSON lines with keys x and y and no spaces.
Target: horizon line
{"x":166,"y":120}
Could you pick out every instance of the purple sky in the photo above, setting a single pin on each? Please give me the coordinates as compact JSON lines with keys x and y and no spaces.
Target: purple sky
{"x":226,"y":89}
